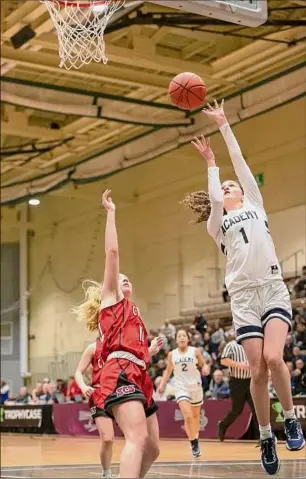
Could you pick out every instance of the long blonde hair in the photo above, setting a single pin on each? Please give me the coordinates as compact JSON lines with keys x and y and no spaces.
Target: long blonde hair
{"x":88,"y":310}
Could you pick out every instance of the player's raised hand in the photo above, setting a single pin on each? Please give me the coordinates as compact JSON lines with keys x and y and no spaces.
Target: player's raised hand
{"x":107,"y":201}
{"x":216,"y":112}
{"x":202,"y":144}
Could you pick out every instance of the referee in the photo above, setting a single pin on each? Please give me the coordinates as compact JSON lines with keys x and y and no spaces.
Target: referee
{"x":234,"y":358}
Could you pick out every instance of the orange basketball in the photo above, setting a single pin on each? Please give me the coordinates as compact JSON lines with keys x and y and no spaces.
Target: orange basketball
{"x":187,"y":91}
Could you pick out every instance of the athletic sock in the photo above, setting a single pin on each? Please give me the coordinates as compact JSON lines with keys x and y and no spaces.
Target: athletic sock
{"x":107,"y":473}
{"x":265,"y":431}
{"x":289,"y":414}
{"x":194,"y":442}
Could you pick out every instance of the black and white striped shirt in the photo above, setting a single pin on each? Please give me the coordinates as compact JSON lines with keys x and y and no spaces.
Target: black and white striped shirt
{"x":235,"y":352}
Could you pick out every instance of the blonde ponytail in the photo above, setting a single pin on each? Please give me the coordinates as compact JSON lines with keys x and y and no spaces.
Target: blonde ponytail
{"x":88,"y":310}
{"x":199,"y":203}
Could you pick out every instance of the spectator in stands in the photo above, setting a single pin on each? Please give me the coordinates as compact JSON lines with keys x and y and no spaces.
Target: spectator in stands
{"x":51,"y":395}
{"x":74,"y":393}
{"x":296,"y":354}
{"x":197,"y":341}
{"x":37,"y":392}
{"x":288,"y":355}
{"x":169,"y":330}
{"x":299,"y":288}
{"x":299,"y":377}
{"x":218,"y":388}
{"x":300,"y":335}
{"x":200,"y":323}
{"x":5,"y":391}
{"x":61,"y":387}
{"x":24,"y":396}
{"x":217,"y":336}
{"x":207,"y":344}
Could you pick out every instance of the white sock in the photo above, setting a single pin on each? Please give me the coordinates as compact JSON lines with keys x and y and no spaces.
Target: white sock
{"x":265,"y":431}
{"x":289,"y":414}
{"x":107,"y":473}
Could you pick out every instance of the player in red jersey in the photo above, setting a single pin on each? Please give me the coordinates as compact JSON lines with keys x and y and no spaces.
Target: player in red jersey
{"x":92,"y":356}
{"x":126,"y":388}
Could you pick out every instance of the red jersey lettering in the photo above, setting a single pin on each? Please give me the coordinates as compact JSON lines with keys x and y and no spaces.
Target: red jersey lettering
{"x":97,"y":364}
{"x":124,"y":330}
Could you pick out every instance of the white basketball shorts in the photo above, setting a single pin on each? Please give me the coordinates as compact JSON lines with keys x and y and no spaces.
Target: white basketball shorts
{"x":194,"y":397}
{"x":253,"y":308}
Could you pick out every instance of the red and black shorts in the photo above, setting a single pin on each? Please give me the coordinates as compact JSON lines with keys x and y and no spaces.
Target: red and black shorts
{"x":123,"y":381}
{"x":94,"y":399}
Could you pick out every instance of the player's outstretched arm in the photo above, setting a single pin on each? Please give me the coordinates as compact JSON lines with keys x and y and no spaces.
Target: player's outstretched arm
{"x":110,"y":289}
{"x":82,"y":367}
{"x":241,"y":168}
{"x":166,"y":375}
{"x":214,"y":186}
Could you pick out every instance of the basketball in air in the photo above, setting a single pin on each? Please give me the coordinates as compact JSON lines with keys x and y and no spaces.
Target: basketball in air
{"x":187,"y":91}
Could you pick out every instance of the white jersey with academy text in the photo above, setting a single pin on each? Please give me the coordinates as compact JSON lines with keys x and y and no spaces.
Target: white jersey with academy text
{"x":243,"y":234}
{"x":186,"y":373}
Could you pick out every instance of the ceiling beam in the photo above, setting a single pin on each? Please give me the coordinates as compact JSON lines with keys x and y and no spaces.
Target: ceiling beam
{"x":25,"y":131}
{"x":27,"y":13}
{"x":100,"y":72}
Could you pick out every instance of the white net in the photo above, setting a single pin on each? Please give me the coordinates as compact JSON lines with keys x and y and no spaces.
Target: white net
{"x":80,"y":27}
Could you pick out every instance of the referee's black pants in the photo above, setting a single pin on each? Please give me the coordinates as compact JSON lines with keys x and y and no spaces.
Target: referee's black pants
{"x":240,"y":394}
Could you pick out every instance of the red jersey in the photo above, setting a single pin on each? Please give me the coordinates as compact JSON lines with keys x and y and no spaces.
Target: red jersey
{"x":97,"y":364}
{"x":123,"y":330}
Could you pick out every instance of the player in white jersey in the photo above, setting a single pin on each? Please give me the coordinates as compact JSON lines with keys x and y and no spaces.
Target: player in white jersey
{"x":183,"y":362}
{"x":260,"y":301}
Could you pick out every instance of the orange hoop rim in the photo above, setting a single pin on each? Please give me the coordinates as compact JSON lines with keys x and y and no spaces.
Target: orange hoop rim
{"x":76,"y":3}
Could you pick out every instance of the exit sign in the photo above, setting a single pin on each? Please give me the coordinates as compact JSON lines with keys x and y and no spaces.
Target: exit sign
{"x":259,"y":179}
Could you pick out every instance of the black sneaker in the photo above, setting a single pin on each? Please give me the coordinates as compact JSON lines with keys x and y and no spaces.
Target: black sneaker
{"x":269,"y":459}
{"x":221,"y":431}
{"x":195,"y":449}
{"x":294,"y":435}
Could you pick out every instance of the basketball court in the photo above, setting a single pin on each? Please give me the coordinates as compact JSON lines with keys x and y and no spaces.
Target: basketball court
{"x":63,"y":457}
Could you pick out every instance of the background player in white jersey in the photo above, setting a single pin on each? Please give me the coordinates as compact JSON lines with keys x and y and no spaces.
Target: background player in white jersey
{"x":260,"y":301}
{"x":183,"y":362}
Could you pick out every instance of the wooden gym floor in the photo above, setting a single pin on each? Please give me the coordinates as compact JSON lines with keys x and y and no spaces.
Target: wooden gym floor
{"x":25,"y":456}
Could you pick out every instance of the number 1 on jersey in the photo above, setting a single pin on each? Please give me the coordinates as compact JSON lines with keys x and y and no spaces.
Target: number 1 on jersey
{"x":242,"y":231}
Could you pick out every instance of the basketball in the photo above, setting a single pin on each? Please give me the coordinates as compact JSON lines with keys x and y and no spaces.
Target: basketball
{"x":187,"y":91}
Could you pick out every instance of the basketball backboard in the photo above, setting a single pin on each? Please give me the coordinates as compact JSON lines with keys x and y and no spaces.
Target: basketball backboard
{"x":251,"y":13}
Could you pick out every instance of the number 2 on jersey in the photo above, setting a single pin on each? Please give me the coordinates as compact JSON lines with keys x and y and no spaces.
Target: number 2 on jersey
{"x":184,"y":367}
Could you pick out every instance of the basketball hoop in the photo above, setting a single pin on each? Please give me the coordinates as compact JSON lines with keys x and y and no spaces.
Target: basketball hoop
{"x":80,"y":28}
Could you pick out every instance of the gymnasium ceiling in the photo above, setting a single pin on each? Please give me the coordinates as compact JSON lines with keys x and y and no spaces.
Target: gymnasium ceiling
{"x":41,"y":148}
